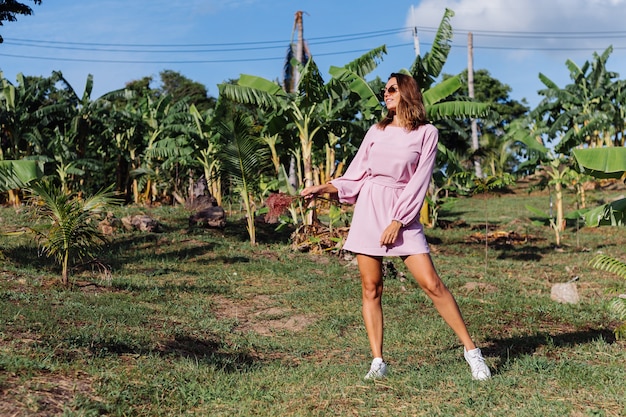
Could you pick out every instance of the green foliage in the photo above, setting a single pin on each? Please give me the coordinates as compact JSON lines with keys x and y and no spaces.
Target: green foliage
{"x":67,"y":228}
{"x":17,"y":174}
{"x":615,"y":266}
{"x":609,"y":214}
{"x":589,"y":110}
{"x":10,"y":9}
{"x":427,"y":69}
{"x":243,"y":161}
{"x":607,"y":162}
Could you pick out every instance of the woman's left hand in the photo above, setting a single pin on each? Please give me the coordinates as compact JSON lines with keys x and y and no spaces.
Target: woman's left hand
{"x":390,"y":234}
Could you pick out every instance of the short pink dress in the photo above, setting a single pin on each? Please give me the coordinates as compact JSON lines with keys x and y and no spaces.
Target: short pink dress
{"x":388,"y":179}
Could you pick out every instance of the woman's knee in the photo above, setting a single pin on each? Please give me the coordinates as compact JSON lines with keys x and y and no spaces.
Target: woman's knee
{"x":433,"y":286}
{"x":372,"y":287}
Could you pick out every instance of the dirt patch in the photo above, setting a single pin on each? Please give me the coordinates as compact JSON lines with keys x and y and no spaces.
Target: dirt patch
{"x":44,"y":395}
{"x":260,"y":315}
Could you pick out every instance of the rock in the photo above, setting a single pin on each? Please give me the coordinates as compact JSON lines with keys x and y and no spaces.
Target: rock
{"x":109,"y":224}
{"x":141,"y":222}
{"x":566,"y":293}
{"x":214,"y":216}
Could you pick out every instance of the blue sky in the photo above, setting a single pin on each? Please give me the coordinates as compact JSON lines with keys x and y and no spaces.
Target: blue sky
{"x":211,"y":41}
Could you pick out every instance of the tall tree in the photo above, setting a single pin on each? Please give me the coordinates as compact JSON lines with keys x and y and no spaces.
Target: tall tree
{"x":182,"y":88}
{"x":10,"y":9}
{"x":495,"y":153}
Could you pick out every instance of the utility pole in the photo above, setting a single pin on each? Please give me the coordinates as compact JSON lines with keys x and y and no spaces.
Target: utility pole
{"x":470,"y":88}
{"x":416,"y":39}
{"x":298,"y":28}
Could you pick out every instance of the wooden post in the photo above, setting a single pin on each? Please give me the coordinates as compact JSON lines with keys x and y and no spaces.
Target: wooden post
{"x":470,"y":89}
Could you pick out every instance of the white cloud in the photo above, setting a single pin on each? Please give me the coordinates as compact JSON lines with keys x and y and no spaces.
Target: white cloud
{"x":541,"y":17}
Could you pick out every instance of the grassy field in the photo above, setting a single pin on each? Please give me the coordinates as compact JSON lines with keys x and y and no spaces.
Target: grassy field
{"x":198,"y":322}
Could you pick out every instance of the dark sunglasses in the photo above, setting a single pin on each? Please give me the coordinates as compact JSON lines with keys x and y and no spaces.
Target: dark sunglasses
{"x":391,"y":90}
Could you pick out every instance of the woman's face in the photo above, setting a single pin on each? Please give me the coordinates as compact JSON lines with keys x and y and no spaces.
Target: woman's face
{"x":391,"y":94}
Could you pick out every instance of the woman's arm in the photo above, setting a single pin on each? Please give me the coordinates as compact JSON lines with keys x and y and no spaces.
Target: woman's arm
{"x":313,"y":190}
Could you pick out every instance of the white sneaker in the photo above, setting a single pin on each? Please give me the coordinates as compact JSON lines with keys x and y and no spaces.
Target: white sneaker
{"x":480,"y":370}
{"x":378,"y":370}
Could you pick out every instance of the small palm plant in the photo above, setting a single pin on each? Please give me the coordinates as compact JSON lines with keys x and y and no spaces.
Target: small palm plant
{"x":243,"y":160}
{"x":618,"y":305}
{"x":69,"y":230}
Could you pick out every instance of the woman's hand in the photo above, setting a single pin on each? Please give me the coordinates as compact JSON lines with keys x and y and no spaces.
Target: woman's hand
{"x":390,"y":234}
{"x":313,"y":190}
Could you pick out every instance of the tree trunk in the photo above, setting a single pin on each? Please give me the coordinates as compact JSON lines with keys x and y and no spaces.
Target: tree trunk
{"x":560,"y":218}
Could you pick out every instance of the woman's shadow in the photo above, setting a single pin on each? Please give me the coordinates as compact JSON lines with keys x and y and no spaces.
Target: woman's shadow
{"x":508,"y":349}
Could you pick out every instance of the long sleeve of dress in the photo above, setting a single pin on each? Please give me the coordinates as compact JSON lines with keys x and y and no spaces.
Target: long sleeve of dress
{"x":408,"y":205}
{"x":350,"y":183}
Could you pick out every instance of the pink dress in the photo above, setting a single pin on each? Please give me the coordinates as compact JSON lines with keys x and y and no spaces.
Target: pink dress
{"x":388,"y":179}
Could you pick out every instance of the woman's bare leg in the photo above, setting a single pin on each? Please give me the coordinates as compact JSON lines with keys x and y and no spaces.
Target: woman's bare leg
{"x":370,"y":269}
{"x":423,"y":270}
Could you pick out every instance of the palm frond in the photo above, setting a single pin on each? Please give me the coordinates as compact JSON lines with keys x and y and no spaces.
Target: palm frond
{"x":609,"y":264}
{"x":244,"y":157}
{"x":618,"y":306}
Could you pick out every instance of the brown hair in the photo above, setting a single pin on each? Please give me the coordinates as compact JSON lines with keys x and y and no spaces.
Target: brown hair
{"x":410,"y":110}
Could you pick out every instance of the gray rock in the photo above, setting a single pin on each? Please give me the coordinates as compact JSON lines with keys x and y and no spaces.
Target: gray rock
{"x":566,"y":293}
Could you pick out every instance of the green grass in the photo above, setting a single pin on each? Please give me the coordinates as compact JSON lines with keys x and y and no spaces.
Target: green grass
{"x":198,"y":322}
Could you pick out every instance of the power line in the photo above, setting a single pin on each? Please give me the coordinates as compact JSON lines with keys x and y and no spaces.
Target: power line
{"x":236,"y":47}
{"x":282,"y":43}
{"x":282,"y":58}
{"x":333,"y":38}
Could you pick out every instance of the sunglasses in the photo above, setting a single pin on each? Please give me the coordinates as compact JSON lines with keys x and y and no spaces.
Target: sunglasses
{"x":391,"y":90}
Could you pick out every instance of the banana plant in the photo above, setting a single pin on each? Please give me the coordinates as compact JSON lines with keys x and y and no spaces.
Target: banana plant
{"x":315,"y":111}
{"x":208,"y":151}
{"x":606,"y":162}
{"x":590,"y":110}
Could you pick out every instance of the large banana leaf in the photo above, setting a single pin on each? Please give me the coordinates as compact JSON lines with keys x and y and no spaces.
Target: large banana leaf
{"x":250,"y":95}
{"x":262,"y":84}
{"x":367,"y":62}
{"x":610,"y":214}
{"x":427,"y":69}
{"x":456,"y":109}
{"x":17,"y":174}
{"x":442,"y":90}
{"x":526,"y":138}
{"x":607,"y":162}
{"x":358,"y":85}
{"x":438,"y":55}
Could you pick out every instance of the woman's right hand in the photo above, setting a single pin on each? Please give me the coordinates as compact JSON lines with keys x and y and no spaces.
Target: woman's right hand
{"x":313,"y":190}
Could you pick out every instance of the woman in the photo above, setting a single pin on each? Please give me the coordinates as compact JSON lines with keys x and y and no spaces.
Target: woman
{"x":388,"y":179}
